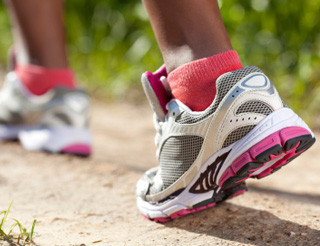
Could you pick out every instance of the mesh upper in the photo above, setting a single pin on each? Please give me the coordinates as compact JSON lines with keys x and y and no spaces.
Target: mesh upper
{"x":237,"y":135}
{"x":177,"y":155}
{"x":60,"y":106}
{"x":224,"y":84}
{"x":255,"y":107}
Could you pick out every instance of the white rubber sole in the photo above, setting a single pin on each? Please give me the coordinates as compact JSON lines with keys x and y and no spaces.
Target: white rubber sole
{"x":56,"y":140}
{"x":185,"y":200}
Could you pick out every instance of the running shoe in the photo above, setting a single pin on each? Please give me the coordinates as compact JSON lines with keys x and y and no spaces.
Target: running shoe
{"x":246,"y":132}
{"x":55,"y":122}
{"x":158,"y":95}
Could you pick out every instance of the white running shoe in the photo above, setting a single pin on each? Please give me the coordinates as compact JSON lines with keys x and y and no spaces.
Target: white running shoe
{"x":56,"y":121}
{"x":247,"y":131}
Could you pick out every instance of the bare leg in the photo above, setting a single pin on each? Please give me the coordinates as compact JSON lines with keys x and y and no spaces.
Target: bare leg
{"x":187,"y":30}
{"x":38,"y":31}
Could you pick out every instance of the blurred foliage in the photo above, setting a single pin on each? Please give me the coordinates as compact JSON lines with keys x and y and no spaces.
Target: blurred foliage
{"x":5,"y":35}
{"x":282,"y":37}
{"x":111,"y":43}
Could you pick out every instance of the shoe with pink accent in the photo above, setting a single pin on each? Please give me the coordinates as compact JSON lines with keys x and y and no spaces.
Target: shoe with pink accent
{"x":205,"y":157}
{"x":56,"y":121}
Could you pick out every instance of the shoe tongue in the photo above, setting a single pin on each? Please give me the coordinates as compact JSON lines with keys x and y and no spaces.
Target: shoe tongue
{"x":156,"y":92}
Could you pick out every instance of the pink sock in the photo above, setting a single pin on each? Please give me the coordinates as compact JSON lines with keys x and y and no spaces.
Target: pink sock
{"x":39,"y":80}
{"x":194,"y":83}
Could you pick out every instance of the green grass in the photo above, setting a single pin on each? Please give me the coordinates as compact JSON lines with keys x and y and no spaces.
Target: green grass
{"x":23,"y":237}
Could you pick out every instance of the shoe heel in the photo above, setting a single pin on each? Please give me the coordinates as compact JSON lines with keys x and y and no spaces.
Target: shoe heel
{"x":268,"y":155}
{"x":66,"y":140}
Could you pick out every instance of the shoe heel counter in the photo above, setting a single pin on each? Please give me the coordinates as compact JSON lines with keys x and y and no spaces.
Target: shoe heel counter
{"x":257,"y":87}
{"x":78,"y":103}
{"x":251,"y":100}
{"x":69,"y":109}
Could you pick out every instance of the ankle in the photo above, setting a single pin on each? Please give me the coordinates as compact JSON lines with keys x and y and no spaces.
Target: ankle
{"x":38,"y":80}
{"x":194,"y":83}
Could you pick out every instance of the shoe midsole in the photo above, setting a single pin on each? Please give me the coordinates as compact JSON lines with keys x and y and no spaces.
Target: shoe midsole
{"x":185,"y":200}
{"x":46,"y":138}
{"x":54,"y":139}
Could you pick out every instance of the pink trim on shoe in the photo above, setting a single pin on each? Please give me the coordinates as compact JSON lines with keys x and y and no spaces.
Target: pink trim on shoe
{"x":278,"y":138}
{"x":77,"y":149}
{"x":182,"y":213}
{"x":235,"y":191}
{"x":238,"y":193}
{"x":158,"y":87}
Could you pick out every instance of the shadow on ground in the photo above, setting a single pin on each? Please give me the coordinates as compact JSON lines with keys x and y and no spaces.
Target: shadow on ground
{"x":246,"y":225}
{"x":299,"y":197}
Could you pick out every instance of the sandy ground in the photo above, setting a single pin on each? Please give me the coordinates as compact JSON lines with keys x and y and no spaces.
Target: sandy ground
{"x":79,"y":201}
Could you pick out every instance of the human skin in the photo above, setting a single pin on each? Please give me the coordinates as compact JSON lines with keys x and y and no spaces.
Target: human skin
{"x":187,"y":30}
{"x":38,"y":32}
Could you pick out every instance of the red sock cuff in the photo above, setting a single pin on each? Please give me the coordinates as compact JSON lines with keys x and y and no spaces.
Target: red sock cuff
{"x":39,"y":80}
{"x":194,"y":83}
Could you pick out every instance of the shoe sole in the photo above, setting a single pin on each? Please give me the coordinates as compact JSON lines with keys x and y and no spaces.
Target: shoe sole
{"x":278,"y":149}
{"x":64,"y":140}
{"x":237,"y":190}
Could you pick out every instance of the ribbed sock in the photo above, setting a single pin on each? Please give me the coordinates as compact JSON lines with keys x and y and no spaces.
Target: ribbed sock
{"x":38,"y":80}
{"x":194,"y":83}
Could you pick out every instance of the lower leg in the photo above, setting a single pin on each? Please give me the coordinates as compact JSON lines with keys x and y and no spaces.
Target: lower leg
{"x":187,"y":30}
{"x":38,"y":32}
{"x":39,"y":37}
{"x":195,"y":47}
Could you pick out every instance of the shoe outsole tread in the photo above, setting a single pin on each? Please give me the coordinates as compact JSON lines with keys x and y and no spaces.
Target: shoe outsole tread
{"x":286,"y":144}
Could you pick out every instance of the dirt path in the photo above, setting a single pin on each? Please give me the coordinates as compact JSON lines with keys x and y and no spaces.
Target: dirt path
{"x":78,"y":201}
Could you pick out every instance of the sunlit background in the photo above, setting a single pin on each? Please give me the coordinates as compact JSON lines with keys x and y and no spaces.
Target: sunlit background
{"x":111,"y":43}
